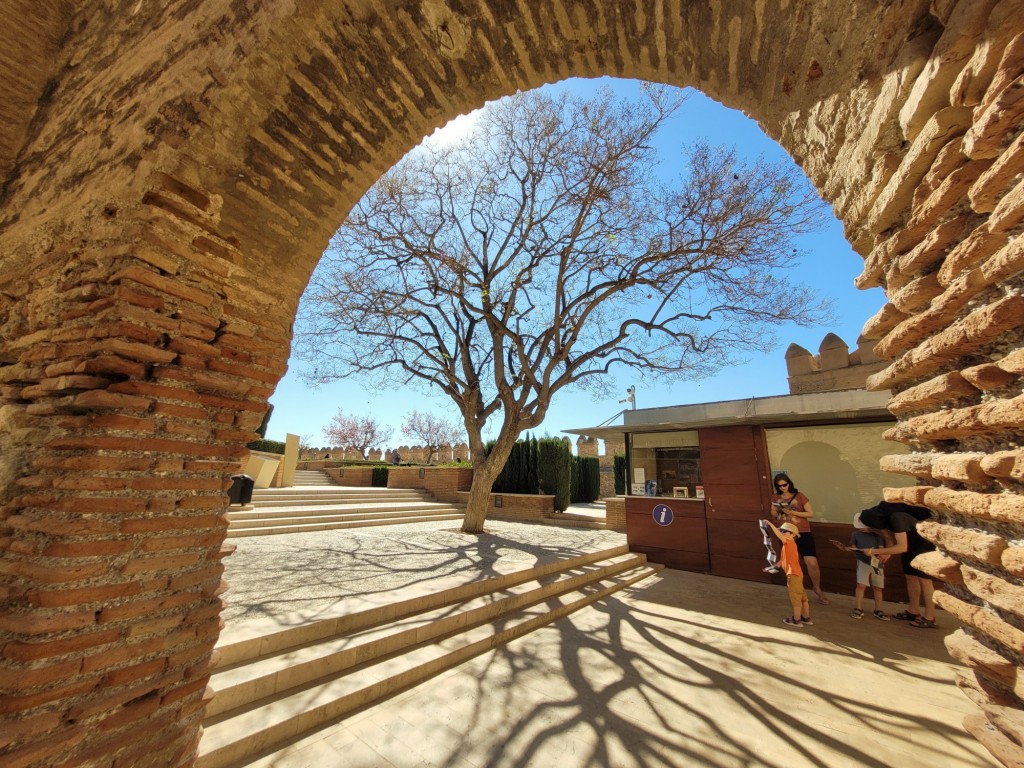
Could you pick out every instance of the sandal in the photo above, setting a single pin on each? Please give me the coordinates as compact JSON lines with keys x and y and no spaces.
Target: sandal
{"x":906,"y":616}
{"x":822,"y":599}
{"x":856,"y":613}
{"x":923,"y":623}
{"x":881,"y":615}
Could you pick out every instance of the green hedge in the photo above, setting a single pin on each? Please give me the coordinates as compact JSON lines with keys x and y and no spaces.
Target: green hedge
{"x":267,"y":446}
{"x":519,"y":475}
{"x":619,"y":468}
{"x":554,"y":461}
{"x":547,"y":466}
{"x":586,"y":479}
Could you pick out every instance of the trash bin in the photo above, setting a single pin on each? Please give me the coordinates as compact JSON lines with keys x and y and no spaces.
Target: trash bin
{"x":240,"y":491}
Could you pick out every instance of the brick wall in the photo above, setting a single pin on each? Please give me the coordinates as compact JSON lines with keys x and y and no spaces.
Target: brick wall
{"x":173,"y":172}
{"x":445,"y":483}
{"x":361,"y":477}
{"x":591,"y":446}
{"x":615,"y":513}
{"x":518,"y":507}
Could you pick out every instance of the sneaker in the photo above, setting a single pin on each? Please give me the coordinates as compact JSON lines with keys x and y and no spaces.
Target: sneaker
{"x":770,"y":569}
{"x":880,"y":615}
{"x":806,"y":621}
{"x":856,"y":613}
{"x":792,"y":622}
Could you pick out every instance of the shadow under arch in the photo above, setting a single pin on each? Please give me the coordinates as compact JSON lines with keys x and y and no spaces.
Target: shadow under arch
{"x":821,"y":472}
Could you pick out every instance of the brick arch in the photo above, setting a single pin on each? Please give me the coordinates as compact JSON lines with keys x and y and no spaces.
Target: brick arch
{"x":181,"y":168}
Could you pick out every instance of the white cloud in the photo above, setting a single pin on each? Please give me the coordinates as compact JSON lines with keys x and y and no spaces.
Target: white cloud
{"x":455,"y":130}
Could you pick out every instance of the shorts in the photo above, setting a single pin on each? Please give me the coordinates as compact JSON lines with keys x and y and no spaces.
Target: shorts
{"x":868,"y":576}
{"x":805,"y":545}
{"x":916,"y":545}
{"x":795,"y":587}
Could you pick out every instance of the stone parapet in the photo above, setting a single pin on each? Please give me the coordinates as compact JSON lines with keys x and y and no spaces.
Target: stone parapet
{"x":833,"y":368}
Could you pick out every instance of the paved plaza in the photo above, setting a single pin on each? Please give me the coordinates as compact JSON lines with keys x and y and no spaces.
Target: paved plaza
{"x":680,"y":670}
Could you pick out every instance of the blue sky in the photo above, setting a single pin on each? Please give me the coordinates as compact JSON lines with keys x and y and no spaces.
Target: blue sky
{"x":829,"y":266}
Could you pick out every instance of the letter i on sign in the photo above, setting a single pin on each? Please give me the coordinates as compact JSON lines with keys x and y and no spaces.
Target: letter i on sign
{"x":662,"y":514}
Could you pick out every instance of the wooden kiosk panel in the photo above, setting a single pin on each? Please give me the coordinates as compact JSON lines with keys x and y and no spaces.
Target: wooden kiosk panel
{"x":744,"y":568}
{"x":683,"y":543}
{"x":738,"y":539}
{"x":734,"y":467}
{"x":675,"y":558}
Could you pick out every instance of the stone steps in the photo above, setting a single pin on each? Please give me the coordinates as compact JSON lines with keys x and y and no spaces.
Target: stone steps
{"x":354,"y":509}
{"x":275,"y":511}
{"x":573,"y":520}
{"x":273,"y":688}
{"x":285,"y":497}
{"x":325,"y":522}
{"x":311,"y":477}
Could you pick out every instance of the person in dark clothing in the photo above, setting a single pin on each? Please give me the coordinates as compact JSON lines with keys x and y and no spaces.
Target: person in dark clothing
{"x":901,"y":520}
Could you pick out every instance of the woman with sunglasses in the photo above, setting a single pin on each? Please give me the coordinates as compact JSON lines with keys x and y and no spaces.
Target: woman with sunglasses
{"x":790,"y":505}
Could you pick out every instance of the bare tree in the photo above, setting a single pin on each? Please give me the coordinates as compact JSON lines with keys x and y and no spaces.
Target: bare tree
{"x":543,"y":251}
{"x":356,"y":433}
{"x":431,"y":431}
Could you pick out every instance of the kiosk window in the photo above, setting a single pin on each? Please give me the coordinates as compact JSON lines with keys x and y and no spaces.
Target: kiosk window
{"x":678,"y":471}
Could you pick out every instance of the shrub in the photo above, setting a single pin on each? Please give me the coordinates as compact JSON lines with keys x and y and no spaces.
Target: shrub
{"x":554,"y":465}
{"x":586,"y":479}
{"x":267,"y":446}
{"x":619,"y":468}
{"x":519,"y":475}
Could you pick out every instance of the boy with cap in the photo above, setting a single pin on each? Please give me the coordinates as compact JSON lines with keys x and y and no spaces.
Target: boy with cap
{"x":788,"y":533}
{"x":870,"y":569}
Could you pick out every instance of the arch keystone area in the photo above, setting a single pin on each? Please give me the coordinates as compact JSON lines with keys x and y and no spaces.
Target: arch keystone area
{"x":172,"y":171}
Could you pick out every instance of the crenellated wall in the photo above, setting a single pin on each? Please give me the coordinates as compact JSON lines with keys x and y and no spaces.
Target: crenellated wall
{"x":833,"y":368}
{"x":170,"y":173}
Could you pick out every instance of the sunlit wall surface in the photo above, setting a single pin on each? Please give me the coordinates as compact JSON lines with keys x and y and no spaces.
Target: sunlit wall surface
{"x":836,"y":466}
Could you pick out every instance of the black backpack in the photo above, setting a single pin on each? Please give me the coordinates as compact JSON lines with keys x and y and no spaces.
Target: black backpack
{"x":881,"y":512}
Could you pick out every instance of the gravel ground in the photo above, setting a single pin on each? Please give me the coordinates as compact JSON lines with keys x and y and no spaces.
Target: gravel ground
{"x":294,"y":578}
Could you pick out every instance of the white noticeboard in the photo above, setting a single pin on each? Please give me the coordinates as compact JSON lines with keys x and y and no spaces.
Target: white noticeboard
{"x":638,"y":475}
{"x":637,"y":489}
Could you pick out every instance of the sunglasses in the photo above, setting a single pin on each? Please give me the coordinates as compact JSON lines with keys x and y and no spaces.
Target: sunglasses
{"x":782,"y":485}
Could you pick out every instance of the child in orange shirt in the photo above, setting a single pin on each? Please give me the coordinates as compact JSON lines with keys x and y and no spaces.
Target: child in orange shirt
{"x":788,"y":533}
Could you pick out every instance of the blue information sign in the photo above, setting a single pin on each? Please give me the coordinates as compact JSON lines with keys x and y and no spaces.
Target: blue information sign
{"x":662,"y":514}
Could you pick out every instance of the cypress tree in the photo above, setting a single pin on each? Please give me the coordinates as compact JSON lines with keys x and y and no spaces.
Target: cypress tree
{"x":555,"y":471}
{"x":619,"y":470}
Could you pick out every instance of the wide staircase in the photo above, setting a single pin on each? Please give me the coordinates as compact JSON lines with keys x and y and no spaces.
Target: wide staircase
{"x":312,"y":477}
{"x":272,"y":688}
{"x":315,"y":503}
{"x":590,"y":516}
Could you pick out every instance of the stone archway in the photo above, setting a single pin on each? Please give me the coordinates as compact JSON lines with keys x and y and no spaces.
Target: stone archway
{"x":171,"y":175}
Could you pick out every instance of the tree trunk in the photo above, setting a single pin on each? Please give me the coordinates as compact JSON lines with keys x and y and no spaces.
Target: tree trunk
{"x":484,"y":475}
{"x":479,"y":500}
